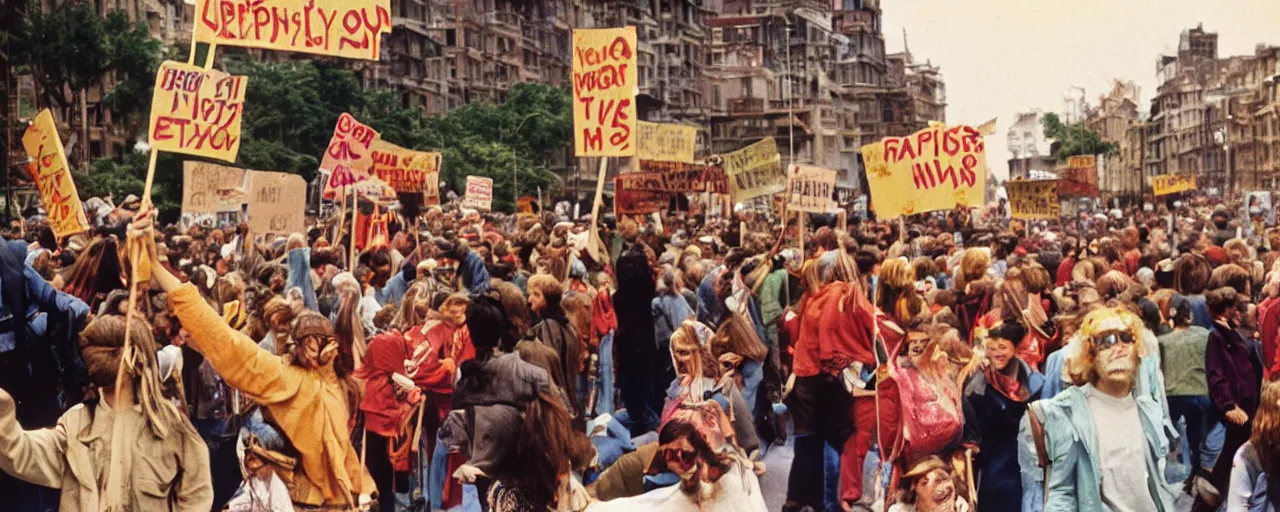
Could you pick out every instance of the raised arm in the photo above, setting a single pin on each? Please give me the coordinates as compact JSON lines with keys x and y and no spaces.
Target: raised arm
{"x":36,"y":456}
{"x":300,"y":276}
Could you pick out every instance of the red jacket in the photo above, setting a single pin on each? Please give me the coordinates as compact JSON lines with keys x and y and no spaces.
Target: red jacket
{"x":1269,"y":327}
{"x":835,"y":330}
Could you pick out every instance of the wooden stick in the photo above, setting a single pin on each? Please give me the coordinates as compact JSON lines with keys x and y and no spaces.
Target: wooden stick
{"x":208,"y":56}
{"x":800,"y":235}
{"x":592,"y":246}
{"x":355,"y":215}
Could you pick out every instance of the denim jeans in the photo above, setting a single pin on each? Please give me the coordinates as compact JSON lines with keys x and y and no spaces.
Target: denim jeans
{"x":1197,"y":410}
{"x":604,"y":382}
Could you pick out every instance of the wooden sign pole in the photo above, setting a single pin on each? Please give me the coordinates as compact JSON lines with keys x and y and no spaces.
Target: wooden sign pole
{"x":355,"y":216}
{"x":594,"y":241}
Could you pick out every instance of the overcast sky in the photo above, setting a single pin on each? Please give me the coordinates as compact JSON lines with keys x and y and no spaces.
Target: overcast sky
{"x":999,"y":57}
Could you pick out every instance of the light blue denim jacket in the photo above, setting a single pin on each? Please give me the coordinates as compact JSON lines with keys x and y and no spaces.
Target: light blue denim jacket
{"x":1074,"y":481}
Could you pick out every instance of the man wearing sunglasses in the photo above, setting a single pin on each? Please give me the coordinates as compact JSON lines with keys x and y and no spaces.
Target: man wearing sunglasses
{"x":1103,"y":444}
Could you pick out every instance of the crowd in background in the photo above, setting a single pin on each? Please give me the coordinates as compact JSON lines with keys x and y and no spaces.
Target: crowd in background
{"x":954,"y":361}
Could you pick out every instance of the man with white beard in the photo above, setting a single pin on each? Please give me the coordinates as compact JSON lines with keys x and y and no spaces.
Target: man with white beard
{"x":1103,"y":443}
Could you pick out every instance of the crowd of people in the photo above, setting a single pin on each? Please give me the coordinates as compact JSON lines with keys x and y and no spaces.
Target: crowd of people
{"x":953,"y":361}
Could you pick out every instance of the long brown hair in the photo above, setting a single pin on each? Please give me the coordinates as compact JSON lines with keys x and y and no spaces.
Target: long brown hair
{"x":97,"y":271}
{"x":548,"y":448}
{"x":738,"y":336}
{"x":1266,"y":428}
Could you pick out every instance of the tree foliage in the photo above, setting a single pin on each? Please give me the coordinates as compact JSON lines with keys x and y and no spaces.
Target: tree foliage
{"x":1073,"y":139}
{"x":69,"y":48}
{"x":291,"y":109}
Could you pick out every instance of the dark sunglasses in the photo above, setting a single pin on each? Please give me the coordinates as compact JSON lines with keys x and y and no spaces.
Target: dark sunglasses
{"x":1106,"y":340}
{"x":677,"y":455}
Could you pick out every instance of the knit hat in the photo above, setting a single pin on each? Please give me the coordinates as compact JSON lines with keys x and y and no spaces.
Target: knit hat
{"x":1216,"y":256}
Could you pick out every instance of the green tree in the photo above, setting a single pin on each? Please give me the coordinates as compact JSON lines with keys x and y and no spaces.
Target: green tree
{"x":1073,"y":139}
{"x":69,"y":48}
{"x":521,"y":135}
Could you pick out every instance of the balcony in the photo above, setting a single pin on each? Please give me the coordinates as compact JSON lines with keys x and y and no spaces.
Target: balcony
{"x":746,"y":106}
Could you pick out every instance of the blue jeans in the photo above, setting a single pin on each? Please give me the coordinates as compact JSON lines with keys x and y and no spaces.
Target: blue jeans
{"x":604,"y":384}
{"x":1197,"y":410}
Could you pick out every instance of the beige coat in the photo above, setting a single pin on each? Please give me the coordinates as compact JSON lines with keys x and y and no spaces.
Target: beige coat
{"x":162,"y":474}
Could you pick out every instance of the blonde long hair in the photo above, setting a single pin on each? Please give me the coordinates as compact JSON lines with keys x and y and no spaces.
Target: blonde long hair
{"x":1266,"y":428}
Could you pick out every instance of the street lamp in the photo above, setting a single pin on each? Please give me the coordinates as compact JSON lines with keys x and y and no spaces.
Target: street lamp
{"x":515,"y":163}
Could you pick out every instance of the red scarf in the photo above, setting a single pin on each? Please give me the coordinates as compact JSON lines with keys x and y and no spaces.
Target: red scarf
{"x":1008,"y":385}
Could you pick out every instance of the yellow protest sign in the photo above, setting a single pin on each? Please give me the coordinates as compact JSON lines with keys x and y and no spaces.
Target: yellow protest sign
{"x":277,"y":202}
{"x":755,"y":171}
{"x":1033,"y":199}
{"x":933,"y":169}
{"x":348,"y":156}
{"x":341,"y":28}
{"x":604,"y":92}
{"x":666,"y":142}
{"x":810,"y":189}
{"x":212,"y":188}
{"x":1173,"y":183}
{"x":52,"y":177}
{"x":196,"y":111}
{"x":406,"y":170}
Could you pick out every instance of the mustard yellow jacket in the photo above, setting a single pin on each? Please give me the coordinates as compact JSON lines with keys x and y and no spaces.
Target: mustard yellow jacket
{"x":309,"y":406}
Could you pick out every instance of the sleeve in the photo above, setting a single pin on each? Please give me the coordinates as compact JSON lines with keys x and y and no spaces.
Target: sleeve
{"x":1244,"y":477}
{"x":972,"y":434}
{"x":47,"y":299}
{"x":742,"y":424}
{"x":196,"y":490}
{"x":393,"y":291}
{"x":240,"y":362}
{"x":36,"y":456}
{"x":1215,"y":367}
{"x":1060,"y":493}
{"x":479,"y":274}
{"x":300,"y":276}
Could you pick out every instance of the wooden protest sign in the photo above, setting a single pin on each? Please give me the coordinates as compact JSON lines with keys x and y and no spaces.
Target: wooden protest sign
{"x":212,"y":188}
{"x":755,"y":171}
{"x":666,"y":142}
{"x":341,"y":28}
{"x":810,"y":189}
{"x":479,"y":193}
{"x":52,"y":177}
{"x":604,"y":92}
{"x":1033,"y":199}
{"x":1079,"y":178}
{"x":933,"y":169}
{"x":1166,"y":184}
{"x":277,"y":203}
{"x":196,"y":111}
{"x":348,"y":156}
{"x":639,"y":193}
{"x":406,"y":170}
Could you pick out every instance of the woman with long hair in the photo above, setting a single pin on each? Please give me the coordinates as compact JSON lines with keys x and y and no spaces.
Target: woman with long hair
{"x":166,"y":464}
{"x":554,"y":331}
{"x":740,"y":354}
{"x":96,"y":272}
{"x":635,"y":350}
{"x":1255,"y":472}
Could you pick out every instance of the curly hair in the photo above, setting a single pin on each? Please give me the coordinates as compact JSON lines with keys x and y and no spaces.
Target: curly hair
{"x":1079,"y":363}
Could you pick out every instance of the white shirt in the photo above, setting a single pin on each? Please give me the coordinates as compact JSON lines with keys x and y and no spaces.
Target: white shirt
{"x":1122,"y":453}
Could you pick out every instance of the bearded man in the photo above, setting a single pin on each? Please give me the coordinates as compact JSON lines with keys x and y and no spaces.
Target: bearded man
{"x":1103,"y":443}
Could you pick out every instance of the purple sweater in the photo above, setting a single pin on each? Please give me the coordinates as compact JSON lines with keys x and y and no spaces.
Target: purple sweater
{"x":1233,"y":371}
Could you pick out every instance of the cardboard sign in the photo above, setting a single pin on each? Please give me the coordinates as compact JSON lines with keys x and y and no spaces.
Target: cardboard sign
{"x":604,"y":92}
{"x":196,"y":111}
{"x":212,"y":188}
{"x":755,"y":171}
{"x":277,"y":203}
{"x":810,"y":189}
{"x":1173,"y":183}
{"x":1033,"y":199}
{"x":677,"y":177}
{"x":666,"y":142}
{"x":348,"y":157}
{"x":52,"y":177}
{"x":341,"y":28}
{"x":479,"y":194}
{"x":640,"y":193}
{"x":406,"y":170}
{"x":1079,"y":178}
{"x":933,"y":169}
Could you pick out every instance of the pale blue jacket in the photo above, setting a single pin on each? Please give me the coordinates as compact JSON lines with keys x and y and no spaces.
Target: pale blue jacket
{"x":1074,"y":481}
